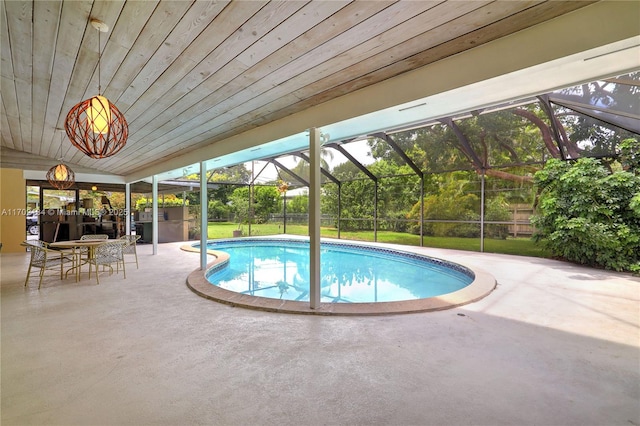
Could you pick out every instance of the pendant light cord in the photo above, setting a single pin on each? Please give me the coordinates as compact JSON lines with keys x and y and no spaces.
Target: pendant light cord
{"x":61,"y":137}
{"x":99,"y":56}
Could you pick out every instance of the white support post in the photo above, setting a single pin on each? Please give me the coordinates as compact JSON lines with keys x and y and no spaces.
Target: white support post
{"x":154,"y":219}
{"x":482,"y":177}
{"x":127,"y":208}
{"x":314,"y":217}
{"x":204,"y":222}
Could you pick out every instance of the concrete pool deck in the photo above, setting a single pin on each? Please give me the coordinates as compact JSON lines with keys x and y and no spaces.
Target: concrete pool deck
{"x":553,"y":344}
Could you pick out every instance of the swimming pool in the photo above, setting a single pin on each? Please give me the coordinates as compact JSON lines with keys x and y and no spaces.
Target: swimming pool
{"x":279,"y":269}
{"x":263,"y":291}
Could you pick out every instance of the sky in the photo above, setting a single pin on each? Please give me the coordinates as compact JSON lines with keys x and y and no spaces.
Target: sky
{"x":359,"y":150}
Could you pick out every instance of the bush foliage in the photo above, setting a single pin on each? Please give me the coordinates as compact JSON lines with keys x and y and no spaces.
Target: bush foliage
{"x":589,"y":214}
{"x":169,"y":200}
{"x":456,"y":200}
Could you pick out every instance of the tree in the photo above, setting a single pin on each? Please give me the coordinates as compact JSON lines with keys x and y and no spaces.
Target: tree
{"x":217,"y":210}
{"x":590,"y":136}
{"x":227,"y":178}
{"x":454,"y":200}
{"x":522,"y":135}
{"x":298,"y":204}
{"x":266,"y":200}
{"x":482,"y":143}
{"x":239,"y":204}
{"x":507,"y":147}
{"x":398,"y":190}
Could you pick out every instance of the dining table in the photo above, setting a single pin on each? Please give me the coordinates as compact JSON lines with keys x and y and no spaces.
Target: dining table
{"x":77,"y":247}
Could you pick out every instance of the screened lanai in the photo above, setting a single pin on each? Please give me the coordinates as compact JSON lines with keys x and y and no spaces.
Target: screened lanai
{"x":465,"y":176}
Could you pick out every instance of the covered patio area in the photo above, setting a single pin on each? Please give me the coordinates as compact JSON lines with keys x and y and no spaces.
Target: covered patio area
{"x":555,"y":343}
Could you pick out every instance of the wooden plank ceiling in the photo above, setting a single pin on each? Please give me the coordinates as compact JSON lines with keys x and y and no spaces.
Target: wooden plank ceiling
{"x":190,"y":73}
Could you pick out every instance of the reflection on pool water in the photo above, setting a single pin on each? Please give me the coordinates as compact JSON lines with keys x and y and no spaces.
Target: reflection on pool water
{"x":279,"y":269}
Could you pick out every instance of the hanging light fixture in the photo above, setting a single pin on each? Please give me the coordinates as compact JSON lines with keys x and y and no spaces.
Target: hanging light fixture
{"x":95,"y":126}
{"x":61,"y":176}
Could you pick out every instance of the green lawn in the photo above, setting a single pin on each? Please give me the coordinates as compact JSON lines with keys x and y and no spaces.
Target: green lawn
{"x":517,"y":246}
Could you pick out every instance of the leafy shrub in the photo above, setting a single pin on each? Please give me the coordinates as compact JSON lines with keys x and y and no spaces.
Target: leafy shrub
{"x":298,"y":204}
{"x":395,"y":221}
{"x":630,"y":155}
{"x":169,"y":200}
{"x":217,"y":210}
{"x":497,"y":209}
{"x":589,"y":215}
{"x":451,"y":203}
{"x":266,"y":200}
{"x":454,"y":204}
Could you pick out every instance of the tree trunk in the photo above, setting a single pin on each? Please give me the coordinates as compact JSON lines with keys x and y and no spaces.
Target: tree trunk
{"x":544,"y":129}
{"x":506,"y":176}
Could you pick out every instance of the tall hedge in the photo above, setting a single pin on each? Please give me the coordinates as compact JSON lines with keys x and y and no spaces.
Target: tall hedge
{"x":589,"y":214}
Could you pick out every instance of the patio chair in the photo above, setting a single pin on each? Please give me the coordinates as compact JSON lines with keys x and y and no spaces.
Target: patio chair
{"x":84,"y":251}
{"x":44,"y":258}
{"x":106,"y":255}
{"x":92,"y":237}
{"x":130,"y":247}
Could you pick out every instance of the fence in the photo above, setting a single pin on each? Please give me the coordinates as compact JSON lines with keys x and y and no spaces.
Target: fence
{"x":521,"y":224}
{"x":518,"y":226}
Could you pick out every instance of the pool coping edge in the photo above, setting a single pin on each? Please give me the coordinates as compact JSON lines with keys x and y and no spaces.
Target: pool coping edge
{"x":483,"y":284}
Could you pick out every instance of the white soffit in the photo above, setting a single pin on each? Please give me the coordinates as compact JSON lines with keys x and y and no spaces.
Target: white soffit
{"x":80,"y":177}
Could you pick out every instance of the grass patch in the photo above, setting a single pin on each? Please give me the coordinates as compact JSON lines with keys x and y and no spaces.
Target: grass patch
{"x":516,"y":246}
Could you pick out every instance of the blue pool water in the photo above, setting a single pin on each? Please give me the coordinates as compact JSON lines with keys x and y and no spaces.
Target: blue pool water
{"x":280,"y":269}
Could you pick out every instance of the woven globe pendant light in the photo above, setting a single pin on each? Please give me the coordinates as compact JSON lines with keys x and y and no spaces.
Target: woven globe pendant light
{"x":95,"y":126}
{"x":61,"y":176}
